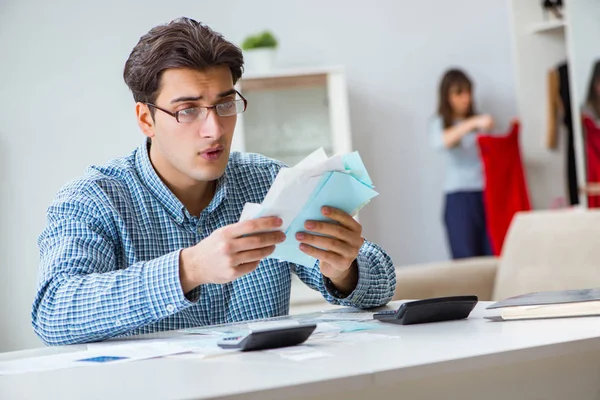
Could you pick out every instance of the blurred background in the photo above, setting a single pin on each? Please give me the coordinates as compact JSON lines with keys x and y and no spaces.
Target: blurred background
{"x":345,"y":75}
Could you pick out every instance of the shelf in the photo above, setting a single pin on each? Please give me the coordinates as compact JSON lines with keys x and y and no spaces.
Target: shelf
{"x":283,"y":82}
{"x":292,"y":72}
{"x":288,"y":78}
{"x":556,"y":25}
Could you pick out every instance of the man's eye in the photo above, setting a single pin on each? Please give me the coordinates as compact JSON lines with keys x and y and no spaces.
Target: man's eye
{"x":189,"y":111}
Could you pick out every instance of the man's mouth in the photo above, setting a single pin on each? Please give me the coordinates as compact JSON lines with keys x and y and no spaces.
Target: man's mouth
{"x":212,"y":154}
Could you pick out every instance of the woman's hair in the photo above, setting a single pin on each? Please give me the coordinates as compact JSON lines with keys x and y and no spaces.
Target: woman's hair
{"x":593,"y":100}
{"x":182,"y":43}
{"x":453,"y":78}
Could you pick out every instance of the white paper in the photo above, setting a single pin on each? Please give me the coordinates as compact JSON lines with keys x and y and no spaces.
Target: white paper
{"x":292,"y":188}
{"x":346,"y":317}
{"x":99,"y":356}
{"x":257,"y":326}
{"x":299,"y":353}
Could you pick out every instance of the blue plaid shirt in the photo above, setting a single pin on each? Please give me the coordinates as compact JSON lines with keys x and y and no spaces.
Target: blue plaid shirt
{"x":110,"y":256}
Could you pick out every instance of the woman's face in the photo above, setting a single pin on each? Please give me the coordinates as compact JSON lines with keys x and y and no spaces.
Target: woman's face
{"x":597,"y":87}
{"x":460,"y":101}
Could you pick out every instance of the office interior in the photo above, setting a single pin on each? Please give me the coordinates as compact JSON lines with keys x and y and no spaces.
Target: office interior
{"x":346,"y":76}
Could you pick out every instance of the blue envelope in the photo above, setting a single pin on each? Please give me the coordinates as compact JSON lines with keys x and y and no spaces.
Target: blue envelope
{"x":349,"y":191}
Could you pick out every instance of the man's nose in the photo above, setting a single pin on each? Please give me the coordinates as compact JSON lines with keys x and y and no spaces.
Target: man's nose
{"x":211,"y":125}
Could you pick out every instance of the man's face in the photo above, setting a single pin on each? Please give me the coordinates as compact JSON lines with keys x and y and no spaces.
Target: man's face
{"x":186,"y":153}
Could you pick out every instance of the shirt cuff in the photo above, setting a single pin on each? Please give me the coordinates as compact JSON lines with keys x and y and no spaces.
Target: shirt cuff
{"x":362,"y":285}
{"x":162,"y":286}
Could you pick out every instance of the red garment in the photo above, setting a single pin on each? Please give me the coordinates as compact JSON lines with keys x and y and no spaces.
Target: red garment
{"x":592,"y":155}
{"x":505,"y":190}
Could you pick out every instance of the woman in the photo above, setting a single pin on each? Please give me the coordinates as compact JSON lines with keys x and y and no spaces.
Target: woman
{"x":454,"y":131}
{"x":592,"y":102}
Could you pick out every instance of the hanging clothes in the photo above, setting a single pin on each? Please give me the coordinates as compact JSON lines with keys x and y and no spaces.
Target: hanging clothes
{"x":565,"y":97}
{"x":505,"y":190}
{"x":592,"y":155}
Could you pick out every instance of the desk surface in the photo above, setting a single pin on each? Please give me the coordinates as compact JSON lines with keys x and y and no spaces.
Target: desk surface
{"x":420,"y":351}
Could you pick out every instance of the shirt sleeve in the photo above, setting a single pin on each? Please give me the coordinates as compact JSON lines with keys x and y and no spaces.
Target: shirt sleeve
{"x":84,"y":292}
{"x":436,"y":133}
{"x":376,"y":279}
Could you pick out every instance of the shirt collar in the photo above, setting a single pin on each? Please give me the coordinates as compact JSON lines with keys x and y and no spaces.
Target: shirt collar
{"x":156,"y":186}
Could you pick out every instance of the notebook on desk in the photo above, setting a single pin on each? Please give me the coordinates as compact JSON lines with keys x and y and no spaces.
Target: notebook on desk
{"x":551,"y":304}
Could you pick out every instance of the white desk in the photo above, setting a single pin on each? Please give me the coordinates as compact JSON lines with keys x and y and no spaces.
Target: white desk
{"x":472,"y":359}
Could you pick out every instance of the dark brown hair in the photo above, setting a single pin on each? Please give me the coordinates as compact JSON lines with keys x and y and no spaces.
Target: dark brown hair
{"x":182,"y":43}
{"x":593,"y":100}
{"x":451,"y":79}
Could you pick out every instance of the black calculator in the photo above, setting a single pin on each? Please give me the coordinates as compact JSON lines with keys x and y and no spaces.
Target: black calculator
{"x":269,"y":338}
{"x":429,"y":310}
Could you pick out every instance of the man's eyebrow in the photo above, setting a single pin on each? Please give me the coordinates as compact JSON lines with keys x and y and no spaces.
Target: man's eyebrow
{"x":196,"y":98}
{"x":186,"y":98}
{"x":226,"y":93}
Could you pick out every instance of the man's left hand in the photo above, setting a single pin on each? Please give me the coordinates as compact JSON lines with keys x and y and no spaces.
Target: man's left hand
{"x":338,"y":250}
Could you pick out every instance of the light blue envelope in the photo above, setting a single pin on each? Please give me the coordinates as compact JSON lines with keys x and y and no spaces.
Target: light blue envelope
{"x":348,"y":191}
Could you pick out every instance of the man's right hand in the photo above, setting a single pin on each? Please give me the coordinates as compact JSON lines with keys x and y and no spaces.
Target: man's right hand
{"x":229,"y":252}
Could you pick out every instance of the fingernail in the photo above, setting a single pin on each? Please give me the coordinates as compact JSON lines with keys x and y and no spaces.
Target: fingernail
{"x":278,"y":221}
{"x":299,"y":236}
{"x":310,"y":225}
{"x":326,"y":210}
{"x":303,"y":246}
{"x":282,"y":237}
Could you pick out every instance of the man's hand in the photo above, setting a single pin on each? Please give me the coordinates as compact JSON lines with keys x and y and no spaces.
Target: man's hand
{"x":229,"y":252}
{"x":336,"y":253}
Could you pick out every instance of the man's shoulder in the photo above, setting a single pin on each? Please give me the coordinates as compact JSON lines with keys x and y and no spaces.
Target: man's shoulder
{"x":113,"y":176}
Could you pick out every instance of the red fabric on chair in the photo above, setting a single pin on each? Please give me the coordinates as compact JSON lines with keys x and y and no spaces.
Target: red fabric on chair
{"x":592,"y":155}
{"x":505,"y":190}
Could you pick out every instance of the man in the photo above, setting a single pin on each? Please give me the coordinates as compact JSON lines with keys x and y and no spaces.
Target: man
{"x":151,"y":242}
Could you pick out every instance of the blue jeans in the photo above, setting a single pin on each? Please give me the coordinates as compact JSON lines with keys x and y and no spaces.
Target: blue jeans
{"x":466,"y":228}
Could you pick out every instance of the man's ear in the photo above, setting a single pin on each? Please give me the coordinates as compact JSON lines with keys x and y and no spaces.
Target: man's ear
{"x":144,"y":119}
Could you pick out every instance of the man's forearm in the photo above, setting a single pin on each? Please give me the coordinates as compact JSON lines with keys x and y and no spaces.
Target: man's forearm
{"x":75,"y":309}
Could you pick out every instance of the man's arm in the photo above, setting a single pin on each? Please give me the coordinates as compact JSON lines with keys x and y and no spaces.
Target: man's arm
{"x":375,"y":285}
{"x":83,"y":294}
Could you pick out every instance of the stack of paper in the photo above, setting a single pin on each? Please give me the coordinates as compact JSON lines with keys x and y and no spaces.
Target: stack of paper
{"x":550,"y":304}
{"x":299,"y":193}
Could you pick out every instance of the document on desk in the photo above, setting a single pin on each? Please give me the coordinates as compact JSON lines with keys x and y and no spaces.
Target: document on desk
{"x":299,"y":193}
{"x":104,"y":355}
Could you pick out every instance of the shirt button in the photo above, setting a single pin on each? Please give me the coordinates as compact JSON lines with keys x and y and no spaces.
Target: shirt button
{"x":170,"y":308}
{"x":118,"y":322}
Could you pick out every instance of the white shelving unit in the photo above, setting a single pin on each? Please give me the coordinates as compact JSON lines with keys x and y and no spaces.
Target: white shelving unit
{"x":547,"y":26}
{"x":293,"y":112}
{"x":539,"y":45}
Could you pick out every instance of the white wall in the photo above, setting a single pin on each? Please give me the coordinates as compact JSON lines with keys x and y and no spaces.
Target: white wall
{"x":63,"y":104}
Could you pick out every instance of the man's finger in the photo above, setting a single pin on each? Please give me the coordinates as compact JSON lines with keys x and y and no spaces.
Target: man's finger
{"x":342,"y":217}
{"x":257,"y":241}
{"x":327,"y":243}
{"x":246,"y":268}
{"x":326,"y":256}
{"x":253,"y":226}
{"x":252,"y":255}
{"x":337,"y":231}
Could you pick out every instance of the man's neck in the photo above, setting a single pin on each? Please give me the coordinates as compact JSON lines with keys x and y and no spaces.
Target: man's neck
{"x":194,"y":195}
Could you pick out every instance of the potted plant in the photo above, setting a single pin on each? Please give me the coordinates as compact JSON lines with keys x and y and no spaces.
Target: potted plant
{"x":259,"y":51}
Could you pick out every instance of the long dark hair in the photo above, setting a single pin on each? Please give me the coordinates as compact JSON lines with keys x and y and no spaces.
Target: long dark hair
{"x":453,"y":78}
{"x":593,"y":100}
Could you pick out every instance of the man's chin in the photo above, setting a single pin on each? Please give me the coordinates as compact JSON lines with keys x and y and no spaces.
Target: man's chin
{"x":207,"y":175}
